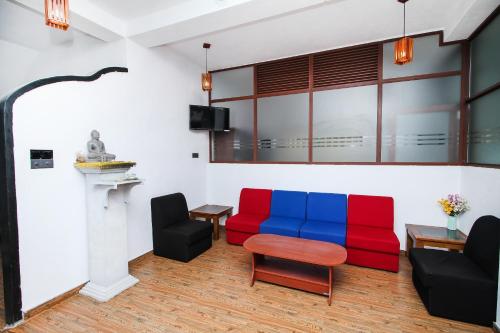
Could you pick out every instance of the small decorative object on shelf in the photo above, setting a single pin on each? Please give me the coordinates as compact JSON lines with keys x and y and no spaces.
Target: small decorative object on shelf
{"x":453,"y":205}
{"x":96,"y":150}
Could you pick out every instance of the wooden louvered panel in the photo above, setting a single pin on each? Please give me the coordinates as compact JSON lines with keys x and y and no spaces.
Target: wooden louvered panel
{"x":340,"y":67}
{"x":283,"y":75}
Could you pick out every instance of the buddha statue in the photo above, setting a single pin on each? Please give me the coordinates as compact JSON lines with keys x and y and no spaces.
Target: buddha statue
{"x":96,"y":149}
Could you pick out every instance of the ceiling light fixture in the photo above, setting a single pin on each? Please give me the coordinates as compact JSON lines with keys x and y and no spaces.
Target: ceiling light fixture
{"x":403,"y":48}
{"x":206,"y":78}
{"x":56,"y":14}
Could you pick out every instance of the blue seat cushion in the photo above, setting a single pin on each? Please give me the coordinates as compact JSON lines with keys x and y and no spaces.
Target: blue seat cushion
{"x":290,"y":204}
{"x":324,"y":231}
{"x":327,"y":207}
{"x":283,"y":226}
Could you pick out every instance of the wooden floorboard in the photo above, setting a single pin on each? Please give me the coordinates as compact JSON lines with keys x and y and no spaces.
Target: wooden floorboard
{"x":212,"y":294}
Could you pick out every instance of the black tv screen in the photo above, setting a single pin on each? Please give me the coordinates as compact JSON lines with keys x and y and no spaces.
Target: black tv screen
{"x":200,"y":117}
{"x":208,"y":118}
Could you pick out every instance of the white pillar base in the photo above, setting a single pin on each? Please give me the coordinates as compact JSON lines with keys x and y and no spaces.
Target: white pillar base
{"x":104,"y":294}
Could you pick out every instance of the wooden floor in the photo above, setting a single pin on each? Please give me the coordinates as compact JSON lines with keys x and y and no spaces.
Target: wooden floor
{"x":212,"y":294}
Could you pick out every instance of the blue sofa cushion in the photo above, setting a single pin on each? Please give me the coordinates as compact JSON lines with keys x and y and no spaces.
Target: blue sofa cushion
{"x":324,"y":231}
{"x":289,"y":204}
{"x":327,"y":207}
{"x":281,"y":226}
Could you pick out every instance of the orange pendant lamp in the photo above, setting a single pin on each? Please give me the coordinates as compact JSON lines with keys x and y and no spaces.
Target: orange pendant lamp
{"x":56,"y":14}
{"x":206,"y":78}
{"x":403,"y":48}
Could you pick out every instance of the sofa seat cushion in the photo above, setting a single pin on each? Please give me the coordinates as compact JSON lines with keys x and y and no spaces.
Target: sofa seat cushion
{"x":438,"y":268}
{"x":284,"y":226}
{"x":189,"y":232}
{"x":373,"y":239}
{"x":324,"y":231}
{"x":245,"y":223}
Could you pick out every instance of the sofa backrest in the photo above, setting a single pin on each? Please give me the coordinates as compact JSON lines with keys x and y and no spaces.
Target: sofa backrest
{"x":168,"y":209}
{"x":483,"y":244}
{"x":255,"y":201}
{"x":289,"y":204}
{"x":369,"y":210}
{"x":327,"y":207}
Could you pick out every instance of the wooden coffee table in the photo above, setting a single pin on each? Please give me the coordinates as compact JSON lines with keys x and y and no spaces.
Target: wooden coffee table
{"x":212,"y":213}
{"x":423,"y":235}
{"x":295,"y":262}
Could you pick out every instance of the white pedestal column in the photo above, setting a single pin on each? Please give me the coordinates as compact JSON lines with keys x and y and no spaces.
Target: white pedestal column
{"x":107,"y":194}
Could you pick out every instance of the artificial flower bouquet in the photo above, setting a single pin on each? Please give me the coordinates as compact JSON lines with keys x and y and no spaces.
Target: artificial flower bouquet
{"x":454,"y":205}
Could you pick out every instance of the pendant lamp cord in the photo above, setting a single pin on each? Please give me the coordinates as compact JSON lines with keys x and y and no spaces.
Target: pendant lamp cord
{"x":206,"y":60}
{"x":404,"y":19}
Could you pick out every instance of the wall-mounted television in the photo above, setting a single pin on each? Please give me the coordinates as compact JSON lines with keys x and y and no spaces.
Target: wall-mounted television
{"x":208,"y":118}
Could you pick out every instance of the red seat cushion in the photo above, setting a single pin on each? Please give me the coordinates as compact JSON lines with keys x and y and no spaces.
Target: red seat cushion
{"x":245,"y":223}
{"x":373,"y":239}
{"x":255,"y":201}
{"x":369,"y":210}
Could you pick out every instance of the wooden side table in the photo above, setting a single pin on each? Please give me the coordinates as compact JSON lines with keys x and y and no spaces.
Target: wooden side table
{"x":423,"y":235}
{"x":212,"y":213}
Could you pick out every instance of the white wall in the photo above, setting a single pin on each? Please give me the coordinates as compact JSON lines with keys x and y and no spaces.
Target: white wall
{"x":481,"y":187}
{"x":142,"y":116}
{"x":29,"y":50}
{"x":415,"y":189}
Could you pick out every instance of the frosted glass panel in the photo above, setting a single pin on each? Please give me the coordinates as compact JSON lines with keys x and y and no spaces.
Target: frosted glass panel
{"x":237,"y":144}
{"x":428,"y":57}
{"x":345,"y":125}
{"x":485,"y":55}
{"x":283,"y":128}
{"x":420,"y":120}
{"x":232,"y":83}
{"x":484,"y":130}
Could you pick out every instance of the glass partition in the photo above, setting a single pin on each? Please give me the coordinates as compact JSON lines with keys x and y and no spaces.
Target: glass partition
{"x":232,"y":83}
{"x":485,"y":55}
{"x":428,"y":57}
{"x":345,"y":125}
{"x":283,"y":128}
{"x":484,"y":129}
{"x":420,"y":120}
{"x":237,"y":144}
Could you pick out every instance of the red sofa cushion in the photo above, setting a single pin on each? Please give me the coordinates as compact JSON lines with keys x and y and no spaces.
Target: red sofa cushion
{"x":372,"y":239}
{"x":245,"y":223}
{"x":255,"y":201}
{"x":368,"y":210}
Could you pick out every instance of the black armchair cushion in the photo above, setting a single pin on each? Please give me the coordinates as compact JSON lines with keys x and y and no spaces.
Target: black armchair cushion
{"x":437,"y":268}
{"x":189,"y":232}
{"x":483,"y":243}
{"x":169,"y":209}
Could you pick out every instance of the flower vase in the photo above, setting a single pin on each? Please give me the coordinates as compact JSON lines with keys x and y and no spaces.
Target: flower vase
{"x":452,"y":223}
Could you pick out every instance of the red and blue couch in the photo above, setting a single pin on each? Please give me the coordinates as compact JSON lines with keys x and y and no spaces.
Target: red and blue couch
{"x":363,"y":224}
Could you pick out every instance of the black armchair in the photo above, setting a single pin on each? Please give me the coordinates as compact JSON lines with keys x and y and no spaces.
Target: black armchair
{"x":461,"y":286}
{"x":175,"y":236}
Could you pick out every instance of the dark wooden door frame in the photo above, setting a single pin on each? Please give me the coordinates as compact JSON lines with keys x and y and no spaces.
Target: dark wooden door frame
{"x":9,"y":245}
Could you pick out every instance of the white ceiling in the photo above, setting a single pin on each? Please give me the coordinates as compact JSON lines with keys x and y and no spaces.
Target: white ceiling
{"x":249,"y":31}
{"x":130,"y":9}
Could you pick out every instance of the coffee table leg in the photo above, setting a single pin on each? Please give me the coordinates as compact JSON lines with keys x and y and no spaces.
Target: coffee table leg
{"x":330,"y":282}
{"x":254,"y":262}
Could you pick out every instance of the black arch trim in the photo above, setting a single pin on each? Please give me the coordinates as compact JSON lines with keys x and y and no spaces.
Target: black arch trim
{"x":9,"y":240}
